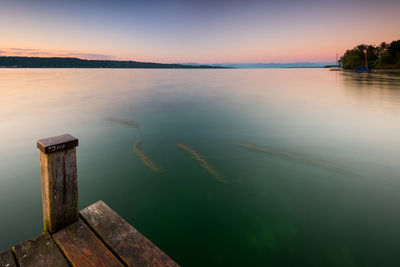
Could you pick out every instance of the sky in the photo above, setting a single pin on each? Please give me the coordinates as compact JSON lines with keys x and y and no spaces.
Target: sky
{"x":178,"y":31}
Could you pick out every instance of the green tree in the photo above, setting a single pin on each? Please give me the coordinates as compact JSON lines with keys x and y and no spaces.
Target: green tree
{"x":384,"y":56}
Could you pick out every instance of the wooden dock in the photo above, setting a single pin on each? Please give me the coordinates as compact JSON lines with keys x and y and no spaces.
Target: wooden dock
{"x":94,"y":236}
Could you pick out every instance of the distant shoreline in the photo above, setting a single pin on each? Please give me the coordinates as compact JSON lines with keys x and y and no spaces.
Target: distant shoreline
{"x":68,"y":62}
{"x":71,"y":62}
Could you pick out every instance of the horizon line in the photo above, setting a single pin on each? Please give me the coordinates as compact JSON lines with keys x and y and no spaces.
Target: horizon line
{"x":183,"y":62}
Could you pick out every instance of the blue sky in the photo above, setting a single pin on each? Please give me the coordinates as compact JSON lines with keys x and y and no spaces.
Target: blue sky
{"x":196,"y":31}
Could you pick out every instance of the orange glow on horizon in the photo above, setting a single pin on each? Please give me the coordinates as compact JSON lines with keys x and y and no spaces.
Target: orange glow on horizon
{"x":273,"y":31}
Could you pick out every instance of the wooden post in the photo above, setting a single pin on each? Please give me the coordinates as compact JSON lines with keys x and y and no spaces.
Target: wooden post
{"x":59,"y":181}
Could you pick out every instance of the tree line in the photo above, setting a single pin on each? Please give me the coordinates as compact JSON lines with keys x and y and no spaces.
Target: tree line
{"x":383,"y":56}
{"x":59,"y":62}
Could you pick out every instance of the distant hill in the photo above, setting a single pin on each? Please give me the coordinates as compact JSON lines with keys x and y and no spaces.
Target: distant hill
{"x":66,"y":62}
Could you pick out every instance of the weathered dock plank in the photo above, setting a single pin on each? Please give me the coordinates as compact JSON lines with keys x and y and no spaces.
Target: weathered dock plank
{"x":131,"y":246}
{"x":41,"y":251}
{"x":100,"y":238}
{"x":83,"y":248}
{"x":7,"y":259}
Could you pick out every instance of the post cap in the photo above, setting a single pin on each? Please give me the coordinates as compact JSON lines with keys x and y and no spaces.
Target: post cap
{"x":57,"y":143}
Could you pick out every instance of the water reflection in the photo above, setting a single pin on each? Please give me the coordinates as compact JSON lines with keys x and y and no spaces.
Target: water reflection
{"x":375,"y":87}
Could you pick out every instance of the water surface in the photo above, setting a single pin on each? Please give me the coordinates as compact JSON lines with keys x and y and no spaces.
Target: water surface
{"x":283,"y":208}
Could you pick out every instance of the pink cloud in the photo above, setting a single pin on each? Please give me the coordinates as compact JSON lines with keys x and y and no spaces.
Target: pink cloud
{"x":42,"y":53}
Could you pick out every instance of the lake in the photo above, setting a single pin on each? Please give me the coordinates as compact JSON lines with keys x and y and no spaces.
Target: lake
{"x":309,"y":159}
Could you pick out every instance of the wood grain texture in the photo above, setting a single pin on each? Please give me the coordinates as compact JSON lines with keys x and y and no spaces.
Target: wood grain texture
{"x":41,"y":251}
{"x":57,"y":143}
{"x":59,"y":189}
{"x":131,"y":246}
{"x":7,"y":259}
{"x":83,"y":248}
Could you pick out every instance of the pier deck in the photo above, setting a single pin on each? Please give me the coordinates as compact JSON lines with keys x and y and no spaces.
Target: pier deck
{"x":94,"y":236}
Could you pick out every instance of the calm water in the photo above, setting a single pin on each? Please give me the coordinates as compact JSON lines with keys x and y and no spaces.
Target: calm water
{"x":282,"y":206}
